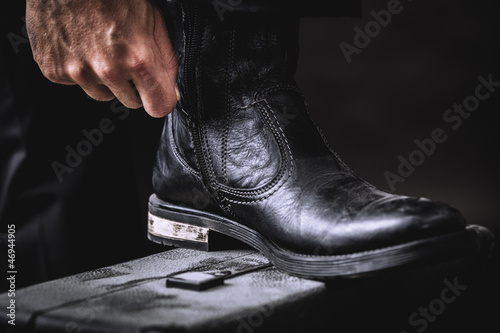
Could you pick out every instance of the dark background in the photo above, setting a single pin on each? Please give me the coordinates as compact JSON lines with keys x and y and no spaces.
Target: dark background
{"x":397,"y":90}
{"x":394,"y":91}
{"x":371,"y":110}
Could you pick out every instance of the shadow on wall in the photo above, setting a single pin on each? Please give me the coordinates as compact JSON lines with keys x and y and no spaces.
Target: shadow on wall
{"x":407,"y":95}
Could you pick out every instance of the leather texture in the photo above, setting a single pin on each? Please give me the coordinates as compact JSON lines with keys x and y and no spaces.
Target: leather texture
{"x":242,"y":144}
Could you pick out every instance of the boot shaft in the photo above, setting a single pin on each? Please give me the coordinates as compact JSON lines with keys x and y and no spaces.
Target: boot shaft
{"x":224,"y":64}
{"x":241,"y":114}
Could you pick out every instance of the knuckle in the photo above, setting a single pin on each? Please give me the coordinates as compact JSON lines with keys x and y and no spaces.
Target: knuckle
{"x":76,"y":72}
{"x":53,"y":74}
{"x":166,"y":107}
{"x":170,"y":104}
{"x":107,"y":73}
{"x":141,"y":63}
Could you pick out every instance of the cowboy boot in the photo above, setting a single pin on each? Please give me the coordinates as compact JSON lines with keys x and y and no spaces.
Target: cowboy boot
{"x":240,"y":156}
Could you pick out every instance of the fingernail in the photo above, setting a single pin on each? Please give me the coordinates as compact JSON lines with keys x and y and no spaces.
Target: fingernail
{"x":177,"y":93}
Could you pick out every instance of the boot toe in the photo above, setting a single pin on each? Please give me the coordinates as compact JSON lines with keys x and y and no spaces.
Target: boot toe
{"x":390,"y":222}
{"x":403,"y":219}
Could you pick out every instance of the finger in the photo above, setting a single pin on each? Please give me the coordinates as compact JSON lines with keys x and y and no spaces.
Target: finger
{"x":99,"y":92}
{"x":86,"y":79}
{"x":54,"y":67}
{"x":127,"y":94}
{"x":112,"y":77}
{"x":167,"y":53}
{"x":153,"y":84}
{"x":56,"y":75}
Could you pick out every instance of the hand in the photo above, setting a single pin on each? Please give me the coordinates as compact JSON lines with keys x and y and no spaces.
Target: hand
{"x":111,"y":48}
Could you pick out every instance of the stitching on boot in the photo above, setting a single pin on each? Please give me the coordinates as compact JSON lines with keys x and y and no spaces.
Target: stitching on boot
{"x":206,"y":152}
{"x":265,"y":188}
{"x":227,"y":105}
{"x":176,"y":151}
{"x":282,"y":176}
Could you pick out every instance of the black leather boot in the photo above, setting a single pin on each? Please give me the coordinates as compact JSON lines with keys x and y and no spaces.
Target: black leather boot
{"x":240,"y":156}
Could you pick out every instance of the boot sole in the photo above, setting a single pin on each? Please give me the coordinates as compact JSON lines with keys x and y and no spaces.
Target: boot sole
{"x":179,"y":226}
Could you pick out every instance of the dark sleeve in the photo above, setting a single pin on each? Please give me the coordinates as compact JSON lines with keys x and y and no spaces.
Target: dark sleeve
{"x":305,"y":8}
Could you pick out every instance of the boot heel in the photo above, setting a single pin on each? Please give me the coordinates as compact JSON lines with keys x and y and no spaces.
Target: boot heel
{"x":168,"y":232}
{"x":174,"y":225}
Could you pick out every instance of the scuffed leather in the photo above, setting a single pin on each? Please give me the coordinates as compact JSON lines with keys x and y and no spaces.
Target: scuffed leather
{"x":241,"y":139}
